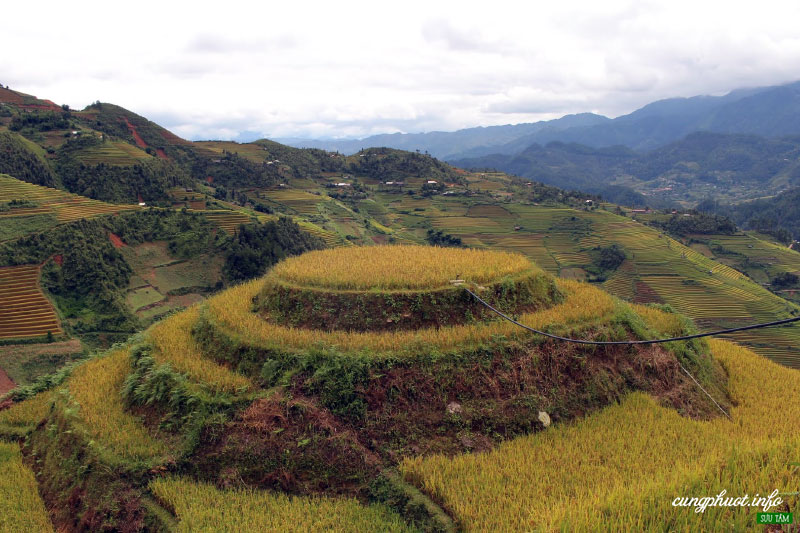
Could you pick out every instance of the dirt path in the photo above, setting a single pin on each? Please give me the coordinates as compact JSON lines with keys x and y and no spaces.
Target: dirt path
{"x":5,"y":382}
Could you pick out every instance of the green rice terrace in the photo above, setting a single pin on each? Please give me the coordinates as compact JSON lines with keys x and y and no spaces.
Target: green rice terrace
{"x":230,"y":417}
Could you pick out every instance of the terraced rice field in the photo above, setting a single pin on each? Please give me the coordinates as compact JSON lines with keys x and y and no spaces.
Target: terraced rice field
{"x":658,"y":268}
{"x":226,"y":220}
{"x":179,"y":193}
{"x":759,"y":251}
{"x":252,"y":152}
{"x":494,"y":211}
{"x":303,"y":203}
{"x":112,"y":153}
{"x":331,"y":239}
{"x":24,"y":309}
{"x":457,"y":225}
{"x":621,"y":283}
{"x":203,"y":507}
{"x":63,"y":205}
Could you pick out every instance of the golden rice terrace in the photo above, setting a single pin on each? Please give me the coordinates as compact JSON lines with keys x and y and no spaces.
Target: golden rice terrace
{"x":399,"y":288}
{"x":347,"y":389}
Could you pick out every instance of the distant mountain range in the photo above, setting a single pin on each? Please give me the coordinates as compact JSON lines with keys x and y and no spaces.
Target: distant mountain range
{"x":766,"y":111}
{"x":701,"y":165}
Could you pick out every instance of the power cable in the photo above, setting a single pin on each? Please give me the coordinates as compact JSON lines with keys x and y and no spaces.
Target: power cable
{"x":652,"y":341}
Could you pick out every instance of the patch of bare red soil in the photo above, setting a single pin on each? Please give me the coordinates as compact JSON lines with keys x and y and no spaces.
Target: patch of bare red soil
{"x":10,"y":97}
{"x":139,"y":141}
{"x":5,"y":382}
{"x":58,"y":259}
{"x":116,"y":241}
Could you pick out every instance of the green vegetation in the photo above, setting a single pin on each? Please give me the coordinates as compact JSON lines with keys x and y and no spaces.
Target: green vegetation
{"x":778,"y":216}
{"x":38,"y":121}
{"x":439,"y":238}
{"x":149,"y":179}
{"x":25,"y":160}
{"x":25,"y":363}
{"x":16,"y":227}
{"x":256,"y":247}
{"x":607,"y":258}
{"x":694,"y":222}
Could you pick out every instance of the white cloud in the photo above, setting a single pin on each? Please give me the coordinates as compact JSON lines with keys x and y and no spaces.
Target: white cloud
{"x":358,"y":68}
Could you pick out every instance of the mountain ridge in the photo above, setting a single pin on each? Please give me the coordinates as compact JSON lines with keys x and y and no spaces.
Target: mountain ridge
{"x":648,"y":127}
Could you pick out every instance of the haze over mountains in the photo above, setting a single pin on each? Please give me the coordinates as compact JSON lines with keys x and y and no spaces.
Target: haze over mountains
{"x":767,"y":111}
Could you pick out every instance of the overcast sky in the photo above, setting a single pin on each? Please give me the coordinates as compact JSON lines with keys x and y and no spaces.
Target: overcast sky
{"x":227,"y":70}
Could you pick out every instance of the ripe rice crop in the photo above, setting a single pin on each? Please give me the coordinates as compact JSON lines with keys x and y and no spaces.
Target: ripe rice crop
{"x":24,"y":309}
{"x":95,"y":386}
{"x":21,"y":507}
{"x":64,"y":205}
{"x":230,"y":312}
{"x":20,"y":417}
{"x":621,"y":468}
{"x":398,"y":267}
{"x":173,"y":343}
{"x":303,"y":202}
{"x":112,"y":153}
{"x":225,"y":220}
{"x":203,"y":507}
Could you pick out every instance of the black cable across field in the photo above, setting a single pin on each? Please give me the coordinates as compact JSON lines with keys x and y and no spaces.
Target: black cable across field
{"x":652,"y":341}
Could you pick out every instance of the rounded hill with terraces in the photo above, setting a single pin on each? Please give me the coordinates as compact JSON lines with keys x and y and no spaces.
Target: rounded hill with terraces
{"x":323,"y":378}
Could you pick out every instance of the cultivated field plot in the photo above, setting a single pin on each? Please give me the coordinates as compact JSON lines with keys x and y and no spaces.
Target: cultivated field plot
{"x":112,"y":153}
{"x":331,"y":239}
{"x":63,"y":205}
{"x":227,"y":221}
{"x":488,"y":210}
{"x":303,"y":203}
{"x":622,"y":282}
{"x":161,"y":283}
{"x":24,"y":309}
{"x":252,"y":152}
{"x":25,"y":362}
{"x":456,"y":225}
